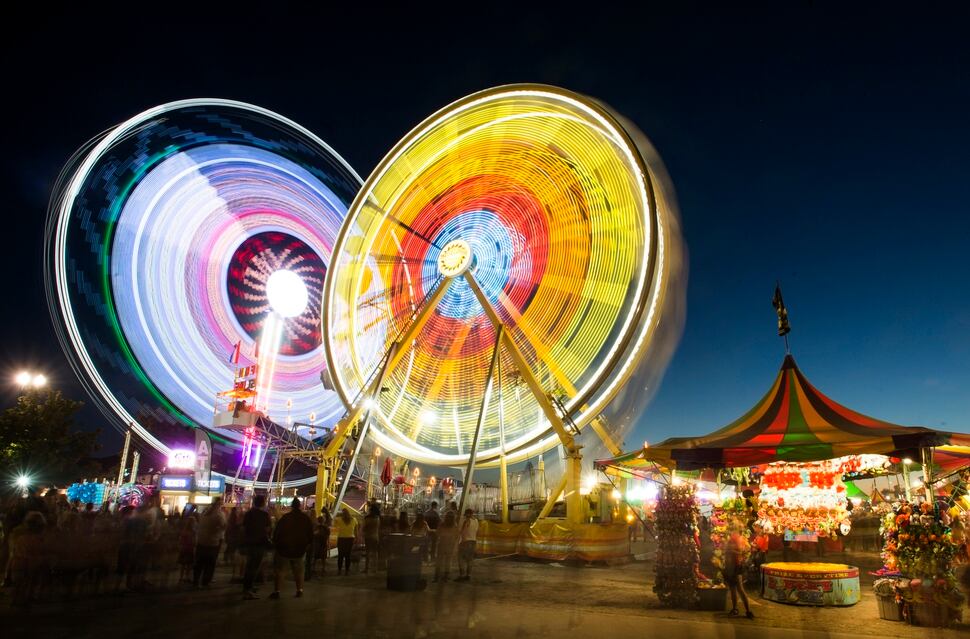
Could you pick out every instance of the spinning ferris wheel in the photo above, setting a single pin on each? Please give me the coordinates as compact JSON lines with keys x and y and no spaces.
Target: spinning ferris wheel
{"x":497,"y":280}
{"x":177,"y":241}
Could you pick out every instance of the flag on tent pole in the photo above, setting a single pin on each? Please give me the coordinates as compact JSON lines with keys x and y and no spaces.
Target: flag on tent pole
{"x":783,"y":326}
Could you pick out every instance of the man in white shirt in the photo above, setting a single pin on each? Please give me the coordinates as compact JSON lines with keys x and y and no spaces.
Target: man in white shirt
{"x":467,"y":540}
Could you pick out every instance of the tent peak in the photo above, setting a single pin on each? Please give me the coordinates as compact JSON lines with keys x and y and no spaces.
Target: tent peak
{"x":789,"y":363}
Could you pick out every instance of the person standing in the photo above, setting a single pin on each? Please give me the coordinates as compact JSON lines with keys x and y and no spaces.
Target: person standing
{"x":186,"y":549}
{"x":321,"y":543}
{"x":403,"y":522}
{"x":467,"y":541}
{"x":419,"y":534}
{"x":372,"y":537}
{"x":447,"y":540}
{"x":256,"y":527}
{"x":292,"y":537}
{"x":346,"y":535}
{"x":211,"y":530}
{"x":434,"y":520}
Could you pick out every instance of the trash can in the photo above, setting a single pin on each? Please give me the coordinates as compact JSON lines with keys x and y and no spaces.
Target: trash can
{"x":404,"y":563}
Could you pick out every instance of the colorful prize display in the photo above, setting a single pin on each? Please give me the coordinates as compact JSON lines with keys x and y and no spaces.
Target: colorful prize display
{"x":545,"y":198}
{"x":176,"y":236}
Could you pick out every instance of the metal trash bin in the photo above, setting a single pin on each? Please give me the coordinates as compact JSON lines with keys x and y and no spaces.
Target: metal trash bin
{"x":404,"y":562}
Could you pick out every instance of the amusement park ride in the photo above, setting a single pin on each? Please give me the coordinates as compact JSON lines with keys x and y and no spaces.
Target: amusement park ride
{"x":479,"y":300}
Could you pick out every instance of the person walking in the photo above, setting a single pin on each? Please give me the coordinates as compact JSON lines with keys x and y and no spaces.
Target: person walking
{"x":346,"y":535}
{"x":292,"y":537}
{"x":372,"y":537}
{"x":209,"y":536}
{"x":734,"y":558}
{"x":467,"y":541}
{"x":256,"y":527}
{"x":434,"y":520}
{"x":447,"y":541}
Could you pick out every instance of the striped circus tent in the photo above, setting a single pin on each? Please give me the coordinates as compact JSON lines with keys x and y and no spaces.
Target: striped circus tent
{"x":794,"y":422}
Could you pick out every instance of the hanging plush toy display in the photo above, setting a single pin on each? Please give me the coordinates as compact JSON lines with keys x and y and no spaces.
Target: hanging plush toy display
{"x":804,"y":500}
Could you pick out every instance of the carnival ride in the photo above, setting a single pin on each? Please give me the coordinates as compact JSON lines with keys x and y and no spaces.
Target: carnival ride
{"x":187,"y":245}
{"x":496,"y":281}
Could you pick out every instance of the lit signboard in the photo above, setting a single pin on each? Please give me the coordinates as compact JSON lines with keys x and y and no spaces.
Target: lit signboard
{"x":180,"y":458}
{"x":175,"y":483}
{"x":185,"y":483}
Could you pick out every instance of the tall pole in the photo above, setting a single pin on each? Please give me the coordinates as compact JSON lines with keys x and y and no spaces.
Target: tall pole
{"x":272,"y":476}
{"x":370,"y":477}
{"x":124,"y":457}
{"x":135,"y":458}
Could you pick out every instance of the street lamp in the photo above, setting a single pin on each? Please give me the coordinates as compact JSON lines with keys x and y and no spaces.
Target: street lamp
{"x":23,"y":483}
{"x":28,"y":379}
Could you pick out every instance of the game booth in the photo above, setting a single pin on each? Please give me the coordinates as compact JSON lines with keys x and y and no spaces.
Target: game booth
{"x":786,"y":467}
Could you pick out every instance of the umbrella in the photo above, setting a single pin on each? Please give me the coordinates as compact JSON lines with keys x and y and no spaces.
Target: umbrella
{"x":387,"y":472}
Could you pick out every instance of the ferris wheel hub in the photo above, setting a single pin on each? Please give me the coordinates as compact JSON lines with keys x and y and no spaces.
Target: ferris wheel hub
{"x":455,"y":258}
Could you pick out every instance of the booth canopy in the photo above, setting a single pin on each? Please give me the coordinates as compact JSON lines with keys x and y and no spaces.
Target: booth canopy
{"x":794,"y":422}
{"x":952,"y":458}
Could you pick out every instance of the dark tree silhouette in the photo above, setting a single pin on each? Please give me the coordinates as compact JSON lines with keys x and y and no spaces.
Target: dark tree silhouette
{"x":38,"y":436}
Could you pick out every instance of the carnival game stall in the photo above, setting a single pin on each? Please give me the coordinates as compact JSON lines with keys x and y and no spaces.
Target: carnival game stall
{"x":799,"y":447}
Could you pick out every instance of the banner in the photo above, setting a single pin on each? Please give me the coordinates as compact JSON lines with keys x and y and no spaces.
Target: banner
{"x":203,"y":460}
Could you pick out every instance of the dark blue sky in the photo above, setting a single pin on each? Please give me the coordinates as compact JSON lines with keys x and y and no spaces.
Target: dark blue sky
{"x":825,"y":149}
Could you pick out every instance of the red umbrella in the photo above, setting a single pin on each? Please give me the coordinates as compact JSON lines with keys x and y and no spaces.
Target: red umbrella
{"x":387,"y":472}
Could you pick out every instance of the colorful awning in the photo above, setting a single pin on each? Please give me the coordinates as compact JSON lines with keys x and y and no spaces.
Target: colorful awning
{"x":794,"y":421}
{"x":952,"y":458}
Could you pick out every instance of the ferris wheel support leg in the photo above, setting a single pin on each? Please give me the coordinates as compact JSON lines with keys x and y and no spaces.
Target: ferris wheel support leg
{"x":396,"y":354}
{"x":553,"y":498}
{"x":470,"y":469}
{"x":352,"y":463}
{"x":321,"y":489}
{"x":574,"y":511}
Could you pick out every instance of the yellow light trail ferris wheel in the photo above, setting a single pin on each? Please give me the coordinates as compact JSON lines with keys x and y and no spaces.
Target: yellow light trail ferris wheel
{"x":516,"y":236}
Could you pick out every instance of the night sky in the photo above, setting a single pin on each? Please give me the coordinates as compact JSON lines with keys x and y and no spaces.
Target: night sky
{"x":822,"y":149}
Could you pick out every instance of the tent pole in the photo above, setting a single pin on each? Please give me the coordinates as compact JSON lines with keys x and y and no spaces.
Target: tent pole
{"x":927,"y":455}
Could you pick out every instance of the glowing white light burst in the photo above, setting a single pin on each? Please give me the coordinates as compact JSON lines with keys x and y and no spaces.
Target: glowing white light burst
{"x":287,"y":293}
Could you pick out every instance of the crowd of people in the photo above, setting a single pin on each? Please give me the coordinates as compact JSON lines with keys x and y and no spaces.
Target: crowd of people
{"x":52,"y":548}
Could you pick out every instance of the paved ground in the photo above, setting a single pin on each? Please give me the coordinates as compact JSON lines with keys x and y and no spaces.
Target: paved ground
{"x":507,"y":598}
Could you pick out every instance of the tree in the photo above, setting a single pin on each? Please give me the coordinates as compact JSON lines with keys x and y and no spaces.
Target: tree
{"x":38,"y":436}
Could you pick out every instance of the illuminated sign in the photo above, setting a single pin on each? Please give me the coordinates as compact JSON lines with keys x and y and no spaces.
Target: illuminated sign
{"x":187,"y":484}
{"x":216,"y":485}
{"x":175,"y":483}
{"x":180,"y":458}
